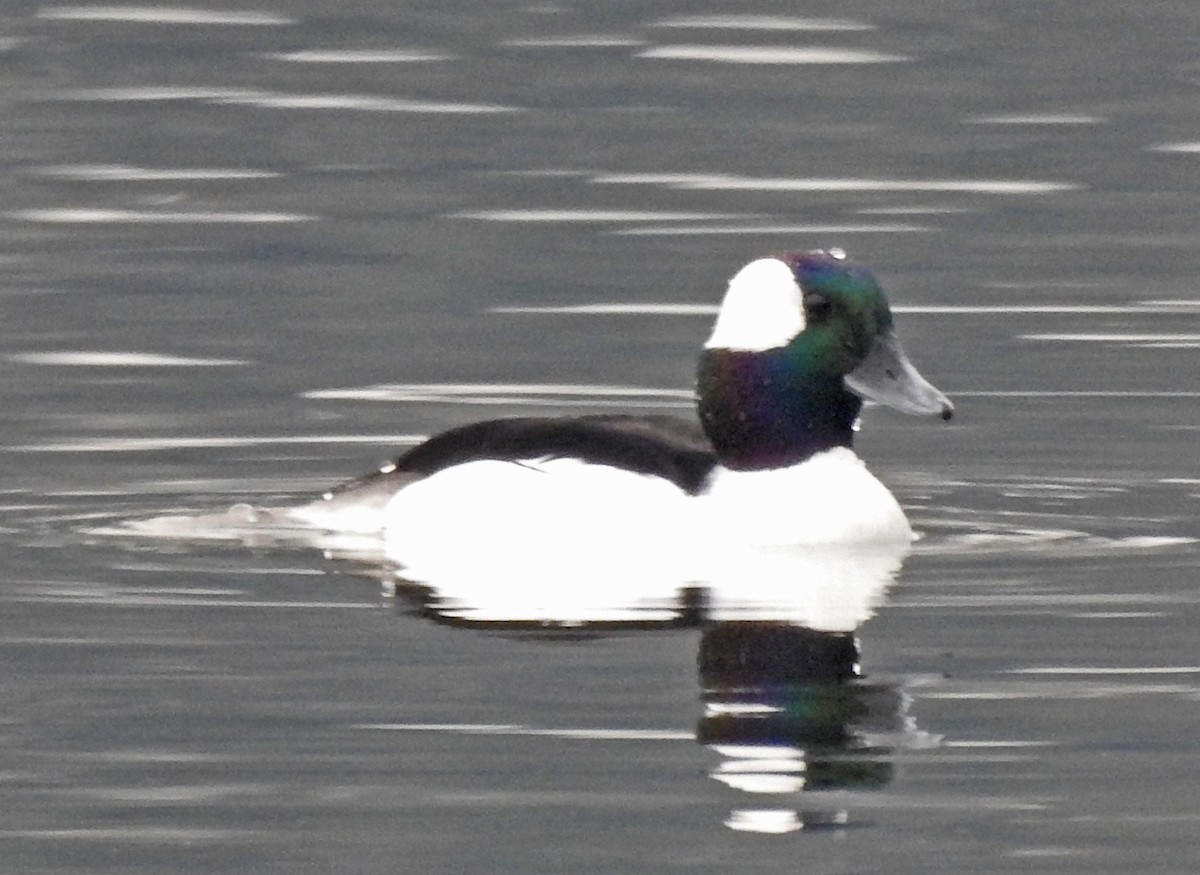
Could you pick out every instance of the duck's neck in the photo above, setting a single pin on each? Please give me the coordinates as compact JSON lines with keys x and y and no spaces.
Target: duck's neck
{"x":765,"y":410}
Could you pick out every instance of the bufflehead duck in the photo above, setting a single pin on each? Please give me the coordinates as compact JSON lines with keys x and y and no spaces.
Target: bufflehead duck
{"x":801,"y":339}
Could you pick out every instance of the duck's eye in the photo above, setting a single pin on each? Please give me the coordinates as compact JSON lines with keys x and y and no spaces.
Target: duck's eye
{"x":817,"y":306}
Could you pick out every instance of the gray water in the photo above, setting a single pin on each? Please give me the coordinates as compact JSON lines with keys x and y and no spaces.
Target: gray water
{"x":250,"y":251}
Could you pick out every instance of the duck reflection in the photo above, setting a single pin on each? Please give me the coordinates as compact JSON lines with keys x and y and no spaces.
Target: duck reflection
{"x":785,"y":705}
{"x":786,"y":709}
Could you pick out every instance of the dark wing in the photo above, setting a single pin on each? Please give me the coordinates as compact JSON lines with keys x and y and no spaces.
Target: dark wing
{"x":662,"y":446}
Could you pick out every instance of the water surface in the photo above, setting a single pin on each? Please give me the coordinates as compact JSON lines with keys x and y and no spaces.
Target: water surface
{"x":252,"y":251}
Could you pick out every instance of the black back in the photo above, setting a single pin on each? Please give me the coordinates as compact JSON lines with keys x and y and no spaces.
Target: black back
{"x":661,"y":446}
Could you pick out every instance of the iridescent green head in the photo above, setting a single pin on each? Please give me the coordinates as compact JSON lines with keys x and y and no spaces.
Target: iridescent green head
{"x":801,"y":339}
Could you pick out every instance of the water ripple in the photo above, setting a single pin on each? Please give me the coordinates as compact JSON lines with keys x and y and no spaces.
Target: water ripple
{"x":730,"y":182}
{"x":537,"y":394}
{"x":151,"y":444}
{"x":586,"y":215}
{"x":162,"y":15}
{"x":688,"y":230}
{"x":119,"y":360}
{"x":272,"y":100}
{"x":124,"y":173}
{"x":101,"y":216}
{"x":360,"y":56}
{"x":761,"y":22}
{"x":1046,"y":118}
{"x":769,"y":55}
{"x":362,"y":102}
{"x":1177,"y":147}
{"x":574,"y":42}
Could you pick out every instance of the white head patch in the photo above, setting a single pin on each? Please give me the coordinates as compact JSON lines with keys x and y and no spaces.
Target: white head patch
{"x":763,"y":309}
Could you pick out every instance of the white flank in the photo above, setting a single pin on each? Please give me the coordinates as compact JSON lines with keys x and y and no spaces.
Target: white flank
{"x":762,"y":309}
{"x":537,"y":517}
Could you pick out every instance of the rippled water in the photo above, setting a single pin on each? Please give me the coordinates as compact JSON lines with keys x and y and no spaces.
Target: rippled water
{"x":250,"y":251}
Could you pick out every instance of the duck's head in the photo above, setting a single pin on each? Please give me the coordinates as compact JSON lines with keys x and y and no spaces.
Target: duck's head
{"x":802,"y":338}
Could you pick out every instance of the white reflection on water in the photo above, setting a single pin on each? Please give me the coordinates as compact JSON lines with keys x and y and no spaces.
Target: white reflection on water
{"x":770,"y":55}
{"x":122,"y":173}
{"x":573,"y":42}
{"x":737,"y":21}
{"x":161,"y":835}
{"x":162,"y":15}
{"x":687,"y":230}
{"x":784,"y":709}
{"x":669,"y":309}
{"x":92,"y":359}
{"x":103,"y":216}
{"x":1176,"y":147}
{"x":361,"y":56}
{"x":1140,"y":340}
{"x":138,"y":93}
{"x":274,"y":100}
{"x":912,"y":211}
{"x":118,"y":444}
{"x":362,"y":102}
{"x":537,"y":394}
{"x":1048,"y":118}
{"x":1108,"y":670}
{"x":585,"y":734}
{"x":586,"y":215}
{"x":770,"y":820}
{"x":654,"y":582}
{"x":653,"y":309}
{"x":730,"y":182}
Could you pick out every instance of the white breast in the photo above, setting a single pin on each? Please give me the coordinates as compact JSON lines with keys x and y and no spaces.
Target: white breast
{"x":829,"y":499}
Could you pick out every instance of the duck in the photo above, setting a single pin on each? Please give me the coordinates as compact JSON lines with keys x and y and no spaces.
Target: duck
{"x":801,"y":341}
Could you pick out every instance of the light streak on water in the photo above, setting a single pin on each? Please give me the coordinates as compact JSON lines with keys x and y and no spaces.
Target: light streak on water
{"x":140,"y":93}
{"x":274,"y":100}
{"x":1048,"y":118}
{"x":118,"y":172}
{"x":1177,"y":147}
{"x":761,"y":22}
{"x":770,"y":55}
{"x":362,"y":102}
{"x":594,"y":734}
{"x":912,"y":211}
{"x":119,"y":360}
{"x":654,"y":309}
{"x":1188,"y":339}
{"x":673,"y":309}
{"x":585,"y":215}
{"x":151,"y":444}
{"x":730,"y":182}
{"x":687,"y":230}
{"x":574,"y":42}
{"x":102,"y":216}
{"x":540,"y":394}
{"x":360,"y":56}
{"x":162,"y":15}
{"x":1108,"y":670}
